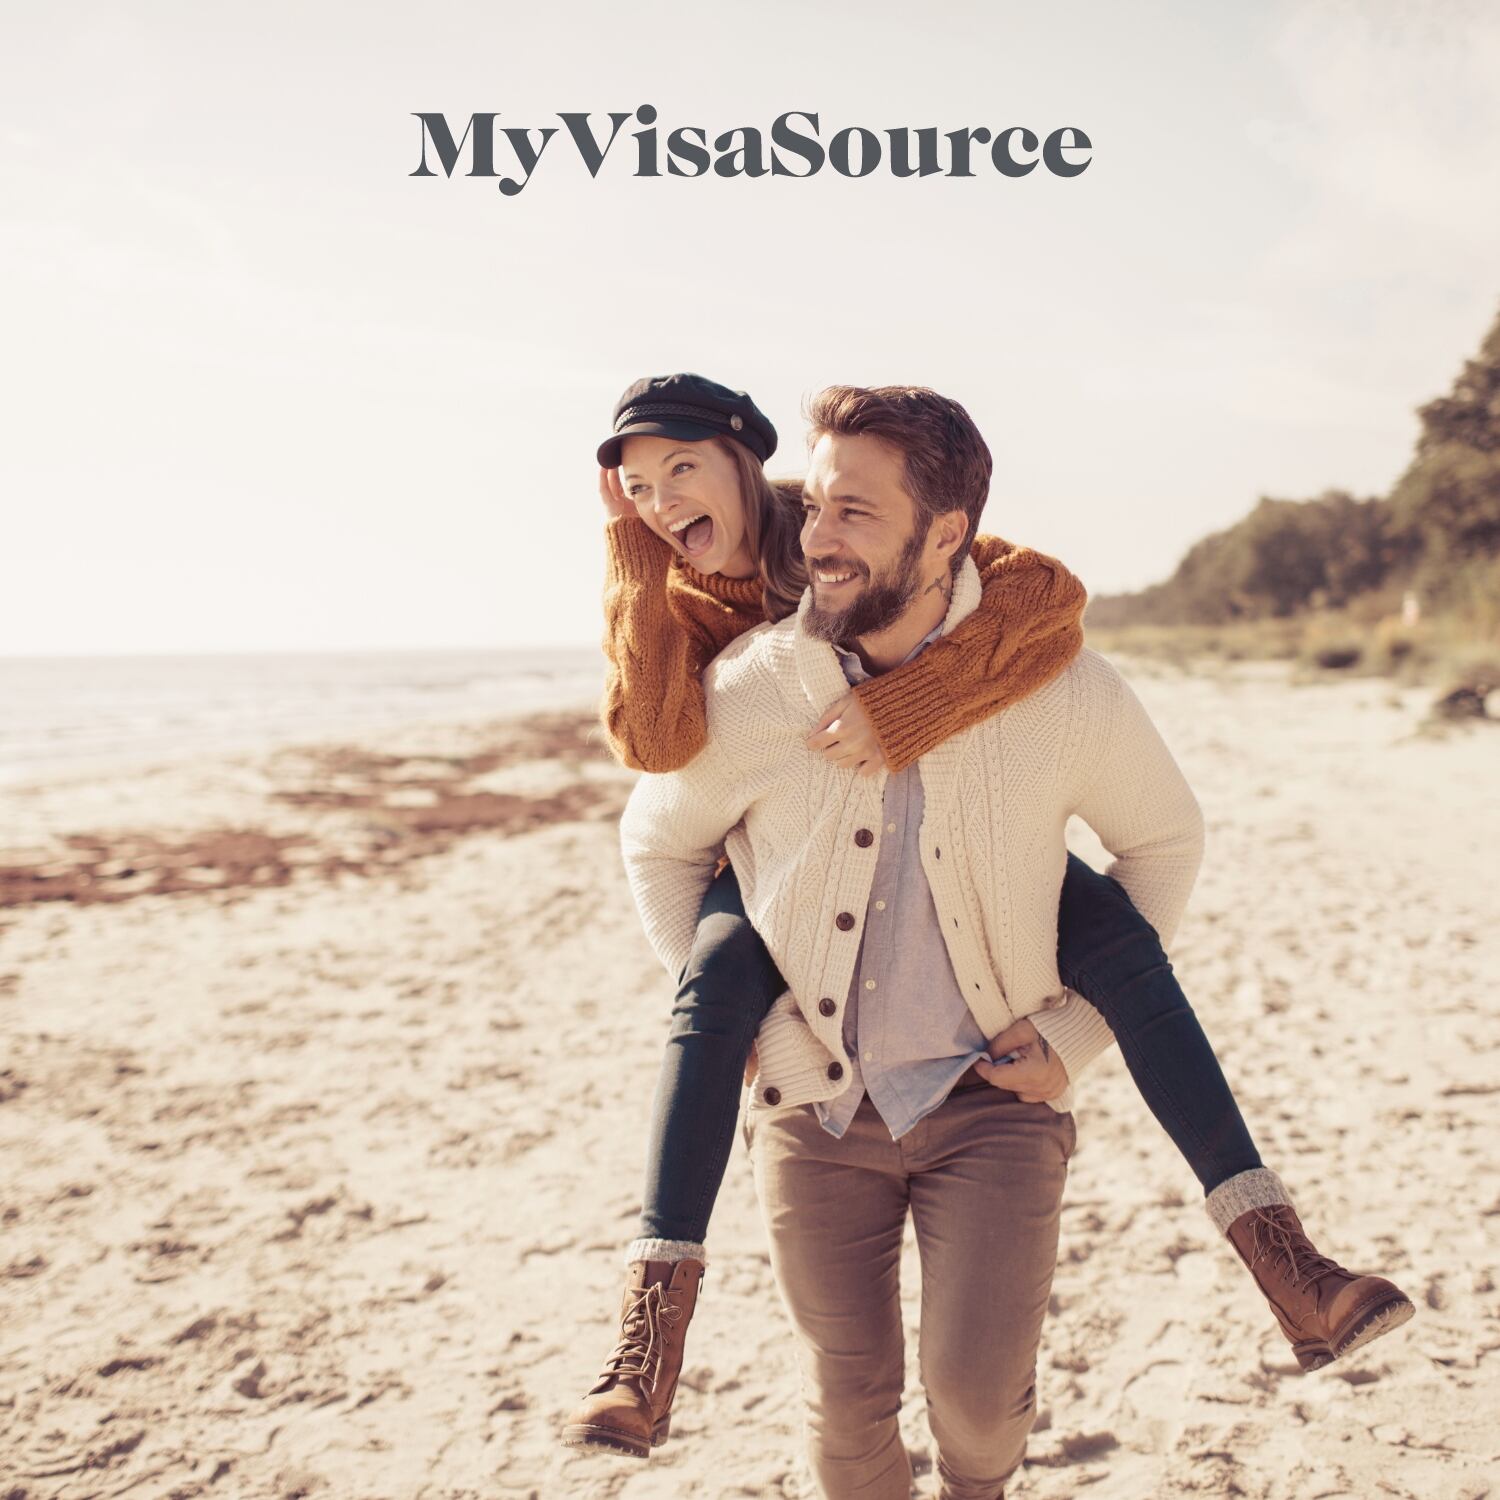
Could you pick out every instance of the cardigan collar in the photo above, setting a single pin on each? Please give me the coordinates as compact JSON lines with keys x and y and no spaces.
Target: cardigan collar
{"x":817,"y":662}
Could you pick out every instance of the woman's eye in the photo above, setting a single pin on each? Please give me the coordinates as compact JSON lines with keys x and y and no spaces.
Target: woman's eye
{"x":683,"y":464}
{"x":632,"y":490}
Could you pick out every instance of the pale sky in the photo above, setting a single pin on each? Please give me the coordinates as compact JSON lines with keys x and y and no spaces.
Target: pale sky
{"x":263,"y":390}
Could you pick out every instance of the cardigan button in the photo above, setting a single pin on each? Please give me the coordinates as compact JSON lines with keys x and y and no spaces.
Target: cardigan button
{"x":835,"y":1070}
{"x":864,"y":838}
{"x":844,"y":921}
{"x":827,"y":1007}
{"x":772,"y":1096}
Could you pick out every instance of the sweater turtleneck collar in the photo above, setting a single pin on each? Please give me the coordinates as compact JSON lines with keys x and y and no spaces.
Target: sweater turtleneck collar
{"x":739,"y":592}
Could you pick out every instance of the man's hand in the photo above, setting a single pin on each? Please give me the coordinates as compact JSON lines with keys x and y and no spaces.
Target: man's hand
{"x":612,"y":493}
{"x":847,"y":738}
{"x":1038,"y":1076}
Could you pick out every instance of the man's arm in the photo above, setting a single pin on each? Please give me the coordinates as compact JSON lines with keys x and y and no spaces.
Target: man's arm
{"x":1139,"y":803}
{"x":671,"y":833}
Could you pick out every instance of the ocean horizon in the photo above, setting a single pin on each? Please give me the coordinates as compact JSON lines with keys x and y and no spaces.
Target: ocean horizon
{"x":63,"y":712}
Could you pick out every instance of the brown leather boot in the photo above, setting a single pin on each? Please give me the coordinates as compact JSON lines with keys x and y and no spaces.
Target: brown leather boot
{"x":629,"y":1409}
{"x":1324,"y":1310}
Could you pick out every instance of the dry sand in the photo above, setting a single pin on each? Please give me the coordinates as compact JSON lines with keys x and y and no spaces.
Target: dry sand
{"x":323,"y":1092}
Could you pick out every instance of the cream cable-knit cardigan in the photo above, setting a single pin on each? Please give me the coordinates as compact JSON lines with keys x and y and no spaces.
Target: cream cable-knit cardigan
{"x":997,"y":798}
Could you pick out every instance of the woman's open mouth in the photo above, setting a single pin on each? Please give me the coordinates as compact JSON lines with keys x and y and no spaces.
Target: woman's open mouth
{"x":694,"y":534}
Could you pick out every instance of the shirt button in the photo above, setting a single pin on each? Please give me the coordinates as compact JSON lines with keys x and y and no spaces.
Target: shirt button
{"x":772,"y":1097}
{"x":835,"y":1070}
{"x":890,"y":827}
{"x":880,"y":906}
{"x":869,"y":984}
{"x":844,"y":921}
{"x":869,"y":1057}
{"x":827,"y":1007}
{"x":864,"y":838}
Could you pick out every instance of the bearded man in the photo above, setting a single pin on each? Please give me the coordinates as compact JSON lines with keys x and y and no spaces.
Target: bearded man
{"x":914,"y":918}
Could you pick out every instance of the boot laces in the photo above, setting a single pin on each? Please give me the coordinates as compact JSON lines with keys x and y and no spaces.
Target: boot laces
{"x":639,"y":1352}
{"x":1273,"y":1237}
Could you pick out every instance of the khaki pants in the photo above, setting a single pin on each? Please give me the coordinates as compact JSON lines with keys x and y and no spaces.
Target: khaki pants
{"x":983,"y":1177}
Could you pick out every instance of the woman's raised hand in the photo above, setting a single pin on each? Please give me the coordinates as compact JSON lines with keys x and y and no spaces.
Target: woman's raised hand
{"x":846,"y":737}
{"x":612,"y":493}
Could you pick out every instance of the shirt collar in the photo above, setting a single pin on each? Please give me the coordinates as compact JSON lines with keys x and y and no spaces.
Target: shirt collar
{"x":854,"y":668}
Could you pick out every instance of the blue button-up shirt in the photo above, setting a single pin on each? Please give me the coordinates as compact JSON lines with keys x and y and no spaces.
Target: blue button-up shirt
{"x":908,"y":1031}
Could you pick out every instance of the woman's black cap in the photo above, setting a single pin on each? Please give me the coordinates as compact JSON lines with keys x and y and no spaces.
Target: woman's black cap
{"x":691,"y":408}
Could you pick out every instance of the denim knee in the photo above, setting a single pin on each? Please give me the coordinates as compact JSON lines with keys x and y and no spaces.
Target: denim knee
{"x":725,"y":942}
{"x":1102,"y":939}
{"x":730,"y":980}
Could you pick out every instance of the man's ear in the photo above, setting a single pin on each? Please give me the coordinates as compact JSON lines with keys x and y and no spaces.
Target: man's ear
{"x":950,"y":532}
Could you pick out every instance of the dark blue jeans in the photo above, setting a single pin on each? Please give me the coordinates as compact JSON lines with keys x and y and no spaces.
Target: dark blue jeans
{"x":1106,"y":951}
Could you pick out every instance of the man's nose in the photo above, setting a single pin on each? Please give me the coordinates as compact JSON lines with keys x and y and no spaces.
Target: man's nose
{"x":820,"y":534}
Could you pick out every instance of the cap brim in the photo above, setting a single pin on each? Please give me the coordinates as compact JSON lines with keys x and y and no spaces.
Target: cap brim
{"x":691,"y":432}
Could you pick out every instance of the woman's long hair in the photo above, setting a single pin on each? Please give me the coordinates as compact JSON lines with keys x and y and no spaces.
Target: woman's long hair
{"x":773,"y":526}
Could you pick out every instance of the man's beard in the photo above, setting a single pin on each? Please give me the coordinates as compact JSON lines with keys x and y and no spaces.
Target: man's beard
{"x":880,"y":603}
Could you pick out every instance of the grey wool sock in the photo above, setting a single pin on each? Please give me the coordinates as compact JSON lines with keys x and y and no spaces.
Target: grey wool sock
{"x":1258,"y":1188}
{"x":673,"y":1250}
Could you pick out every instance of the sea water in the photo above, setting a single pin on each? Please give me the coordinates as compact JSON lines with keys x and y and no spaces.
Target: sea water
{"x":59,"y":712}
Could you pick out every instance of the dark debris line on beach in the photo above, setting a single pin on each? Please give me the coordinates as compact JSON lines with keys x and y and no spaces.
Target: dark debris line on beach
{"x":398,"y":817}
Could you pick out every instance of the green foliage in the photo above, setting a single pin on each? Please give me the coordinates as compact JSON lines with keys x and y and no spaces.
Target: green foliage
{"x":1446,"y":509}
{"x":1438,"y":531}
{"x":1284,"y":557}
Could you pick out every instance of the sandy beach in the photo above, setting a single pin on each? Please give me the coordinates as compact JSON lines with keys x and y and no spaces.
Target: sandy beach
{"x":323,"y":1088}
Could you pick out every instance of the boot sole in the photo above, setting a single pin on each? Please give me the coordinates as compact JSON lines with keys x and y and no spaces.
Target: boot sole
{"x":585,"y":1436}
{"x":1365,"y":1328}
{"x":604,"y":1437}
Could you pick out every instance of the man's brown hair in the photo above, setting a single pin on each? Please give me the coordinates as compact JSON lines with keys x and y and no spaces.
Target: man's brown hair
{"x":946,"y":464}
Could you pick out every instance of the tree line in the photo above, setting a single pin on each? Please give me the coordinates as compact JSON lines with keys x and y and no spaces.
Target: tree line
{"x":1437,"y":532}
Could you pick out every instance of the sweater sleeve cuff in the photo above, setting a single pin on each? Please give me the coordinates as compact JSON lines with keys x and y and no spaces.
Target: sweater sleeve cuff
{"x":902,"y":720}
{"x":1075,"y":1031}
